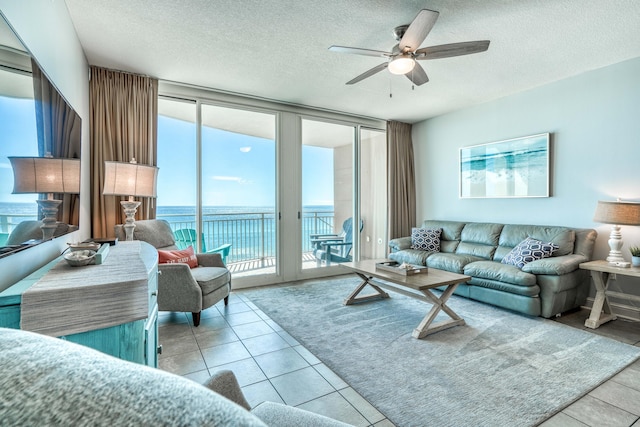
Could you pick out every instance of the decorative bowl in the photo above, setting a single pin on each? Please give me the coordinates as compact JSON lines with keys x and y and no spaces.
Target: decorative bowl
{"x":79,"y":258}
{"x":86,"y":246}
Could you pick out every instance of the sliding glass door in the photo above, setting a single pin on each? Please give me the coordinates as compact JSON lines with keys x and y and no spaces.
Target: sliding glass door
{"x":238,"y":187}
{"x":327,"y":192}
{"x":217,"y":182}
{"x":264,"y":184}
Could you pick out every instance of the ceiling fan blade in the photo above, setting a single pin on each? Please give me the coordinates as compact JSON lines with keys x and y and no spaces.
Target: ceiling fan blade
{"x":358,"y":51}
{"x":418,"y":30}
{"x":369,"y":73}
{"x":418,"y":76}
{"x":453,"y":49}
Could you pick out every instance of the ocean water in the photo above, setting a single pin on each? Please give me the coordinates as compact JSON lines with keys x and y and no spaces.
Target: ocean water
{"x":251,"y":230}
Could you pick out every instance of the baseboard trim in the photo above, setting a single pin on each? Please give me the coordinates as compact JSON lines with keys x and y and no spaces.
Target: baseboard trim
{"x":621,"y":310}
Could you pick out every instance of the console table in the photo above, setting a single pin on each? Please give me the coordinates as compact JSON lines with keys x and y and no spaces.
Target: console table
{"x":603,"y":273}
{"x":111,"y":307}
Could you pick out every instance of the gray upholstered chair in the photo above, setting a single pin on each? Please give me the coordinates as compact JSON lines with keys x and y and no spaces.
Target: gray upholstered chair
{"x":271,"y":413}
{"x":181,"y":288}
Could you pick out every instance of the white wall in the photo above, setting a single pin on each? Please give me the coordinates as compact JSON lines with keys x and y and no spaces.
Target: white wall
{"x":594,"y":119}
{"x":45,"y":28}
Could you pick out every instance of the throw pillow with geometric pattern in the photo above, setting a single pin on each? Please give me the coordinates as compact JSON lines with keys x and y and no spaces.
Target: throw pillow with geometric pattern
{"x":529,"y":250}
{"x":426,"y":239}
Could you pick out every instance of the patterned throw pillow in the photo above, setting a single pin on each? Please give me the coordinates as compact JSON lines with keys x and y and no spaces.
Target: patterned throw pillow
{"x":529,"y":250}
{"x":425,"y":239}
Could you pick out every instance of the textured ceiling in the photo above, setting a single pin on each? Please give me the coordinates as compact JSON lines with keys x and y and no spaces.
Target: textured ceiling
{"x":277,"y":49}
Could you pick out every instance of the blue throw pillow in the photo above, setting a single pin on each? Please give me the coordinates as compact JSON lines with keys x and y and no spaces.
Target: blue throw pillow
{"x":529,"y":250}
{"x":425,"y":239}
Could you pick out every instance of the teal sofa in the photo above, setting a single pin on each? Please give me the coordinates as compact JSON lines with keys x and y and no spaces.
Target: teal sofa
{"x":544,"y":287}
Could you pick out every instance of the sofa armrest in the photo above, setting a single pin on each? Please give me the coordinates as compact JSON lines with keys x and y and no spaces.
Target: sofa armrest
{"x":210,"y":260}
{"x":400,"y":243}
{"x":555,"y":265}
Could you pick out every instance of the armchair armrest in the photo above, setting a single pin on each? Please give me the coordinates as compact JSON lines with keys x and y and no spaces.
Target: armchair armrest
{"x":316,"y":236}
{"x":335,"y":243}
{"x":210,"y":260}
{"x":555,"y":265}
{"x":176,"y":283}
{"x":400,"y":243}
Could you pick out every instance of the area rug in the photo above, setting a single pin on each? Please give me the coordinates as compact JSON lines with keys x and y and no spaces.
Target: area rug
{"x":501,"y":369}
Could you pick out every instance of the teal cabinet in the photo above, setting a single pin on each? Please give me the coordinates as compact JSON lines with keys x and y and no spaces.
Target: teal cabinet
{"x":133,"y":340}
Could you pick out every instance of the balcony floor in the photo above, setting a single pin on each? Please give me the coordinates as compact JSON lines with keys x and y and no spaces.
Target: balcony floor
{"x":265,"y":266}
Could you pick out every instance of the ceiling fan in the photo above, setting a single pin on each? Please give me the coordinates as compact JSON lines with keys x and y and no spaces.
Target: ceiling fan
{"x":402,"y":58}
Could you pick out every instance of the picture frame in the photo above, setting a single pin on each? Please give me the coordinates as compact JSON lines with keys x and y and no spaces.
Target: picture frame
{"x":512,"y":168}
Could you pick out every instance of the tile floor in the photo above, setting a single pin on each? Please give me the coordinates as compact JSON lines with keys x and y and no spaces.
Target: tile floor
{"x":269,"y":363}
{"x":272,"y":365}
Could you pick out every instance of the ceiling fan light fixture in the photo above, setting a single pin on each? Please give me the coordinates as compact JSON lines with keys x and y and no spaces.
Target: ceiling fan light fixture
{"x":401,"y":64}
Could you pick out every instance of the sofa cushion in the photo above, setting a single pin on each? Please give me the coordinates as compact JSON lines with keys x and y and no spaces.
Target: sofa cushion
{"x":450,"y":262}
{"x":451,"y":231}
{"x":211,"y":278}
{"x":411,"y":256}
{"x":493,"y":270}
{"x":426,"y":239}
{"x":529,"y":250}
{"x":512,"y":234}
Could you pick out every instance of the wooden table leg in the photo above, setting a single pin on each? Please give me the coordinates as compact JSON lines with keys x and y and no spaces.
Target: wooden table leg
{"x":354,"y":298}
{"x":439,"y":304}
{"x":601,"y":309}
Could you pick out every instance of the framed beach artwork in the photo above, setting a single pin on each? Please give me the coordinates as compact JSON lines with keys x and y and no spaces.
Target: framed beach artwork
{"x":516,"y":167}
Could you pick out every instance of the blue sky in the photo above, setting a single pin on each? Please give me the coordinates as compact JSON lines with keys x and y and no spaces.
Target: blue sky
{"x":18,"y":130}
{"x":238,"y":170}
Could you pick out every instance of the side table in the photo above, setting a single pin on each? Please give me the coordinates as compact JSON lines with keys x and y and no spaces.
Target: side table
{"x":603,"y":273}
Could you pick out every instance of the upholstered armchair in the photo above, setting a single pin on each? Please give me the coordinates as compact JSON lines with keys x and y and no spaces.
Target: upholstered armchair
{"x":181,"y":288}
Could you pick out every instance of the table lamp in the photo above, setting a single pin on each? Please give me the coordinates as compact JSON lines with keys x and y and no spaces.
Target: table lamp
{"x":47,"y":175}
{"x":617,"y":213}
{"x":133,"y":180}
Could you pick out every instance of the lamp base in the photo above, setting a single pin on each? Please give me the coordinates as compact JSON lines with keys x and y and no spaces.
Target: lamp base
{"x":130,"y":208}
{"x":615,"y":244}
{"x":49,"y":208}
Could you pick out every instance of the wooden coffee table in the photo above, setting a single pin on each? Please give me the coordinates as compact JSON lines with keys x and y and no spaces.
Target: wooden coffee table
{"x":417,"y":286}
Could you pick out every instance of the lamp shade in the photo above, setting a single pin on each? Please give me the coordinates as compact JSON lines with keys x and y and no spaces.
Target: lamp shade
{"x":129,"y":179}
{"x":617,"y":213}
{"x":45,"y":175}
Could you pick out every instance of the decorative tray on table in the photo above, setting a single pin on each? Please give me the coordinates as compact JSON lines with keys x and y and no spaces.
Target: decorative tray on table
{"x":403,"y":269}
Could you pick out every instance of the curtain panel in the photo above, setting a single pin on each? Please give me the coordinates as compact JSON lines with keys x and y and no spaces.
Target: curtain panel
{"x":123,"y":119}
{"x":401,"y":179}
{"x":59,"y":135}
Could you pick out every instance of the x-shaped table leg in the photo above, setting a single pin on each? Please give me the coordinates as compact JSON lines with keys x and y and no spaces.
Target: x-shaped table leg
{"x":354,"y":298}
{"x":439,"y":304}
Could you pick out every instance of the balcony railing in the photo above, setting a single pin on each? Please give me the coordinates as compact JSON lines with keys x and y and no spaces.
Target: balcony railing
{"x":252,"y":234}
{"x":9,"y":221}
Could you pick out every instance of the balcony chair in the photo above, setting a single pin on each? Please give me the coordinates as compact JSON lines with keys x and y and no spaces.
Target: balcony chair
{"x":181,"y":288}
{"x":186,"y":237}
{"x":334,"y":247}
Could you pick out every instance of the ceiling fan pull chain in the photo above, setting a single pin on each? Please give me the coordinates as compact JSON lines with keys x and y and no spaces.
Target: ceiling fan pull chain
{"x":390,"y":91}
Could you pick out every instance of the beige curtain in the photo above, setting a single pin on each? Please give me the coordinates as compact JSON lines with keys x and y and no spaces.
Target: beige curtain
{"x":402,"y":182}
{"x":123,"y":118}
{"x":59,"y":130}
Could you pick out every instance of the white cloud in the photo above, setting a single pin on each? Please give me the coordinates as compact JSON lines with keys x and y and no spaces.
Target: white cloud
{"x":228,"y":178}
{"x":245,"y":149}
